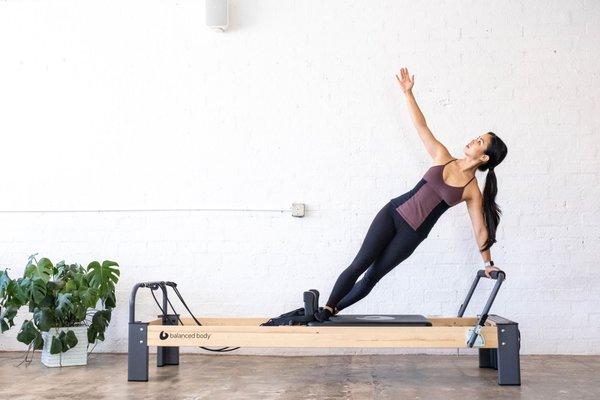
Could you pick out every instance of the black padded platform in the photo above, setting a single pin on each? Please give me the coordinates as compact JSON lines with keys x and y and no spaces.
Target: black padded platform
{"x":374,"y":320}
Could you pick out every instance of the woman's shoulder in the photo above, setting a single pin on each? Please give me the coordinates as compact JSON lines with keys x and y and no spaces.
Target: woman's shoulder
{"x":472,"y":191}
{"x":443,"y":161}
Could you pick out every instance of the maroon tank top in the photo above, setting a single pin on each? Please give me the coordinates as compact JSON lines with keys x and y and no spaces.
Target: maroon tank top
{"x":418,"y":207}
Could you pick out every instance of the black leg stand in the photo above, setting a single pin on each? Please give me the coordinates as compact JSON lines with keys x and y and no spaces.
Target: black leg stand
{"x":168,"y":355}
{"x":485,"y":358}
{"x":137,"y":358}
{"x":509,"y":344}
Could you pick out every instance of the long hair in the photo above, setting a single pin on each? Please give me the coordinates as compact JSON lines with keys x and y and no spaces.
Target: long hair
{"x":496,"y":151}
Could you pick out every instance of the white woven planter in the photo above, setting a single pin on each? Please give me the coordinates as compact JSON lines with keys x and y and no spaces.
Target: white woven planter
{"x":74,"y":356}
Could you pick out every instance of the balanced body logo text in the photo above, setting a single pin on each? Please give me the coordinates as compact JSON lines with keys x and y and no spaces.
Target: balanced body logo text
{"x":184,"y":335}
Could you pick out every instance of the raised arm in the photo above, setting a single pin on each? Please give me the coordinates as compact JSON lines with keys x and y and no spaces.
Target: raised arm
{"x":438,"y":152}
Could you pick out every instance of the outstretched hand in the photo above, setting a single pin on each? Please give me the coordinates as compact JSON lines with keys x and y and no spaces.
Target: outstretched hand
{"x":406,"y":83}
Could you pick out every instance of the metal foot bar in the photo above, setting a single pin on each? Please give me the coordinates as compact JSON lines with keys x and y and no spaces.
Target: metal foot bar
{"x":499,"y":276}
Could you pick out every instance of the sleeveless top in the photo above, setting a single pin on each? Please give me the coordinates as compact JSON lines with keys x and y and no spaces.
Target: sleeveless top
{"x":422,"y":206}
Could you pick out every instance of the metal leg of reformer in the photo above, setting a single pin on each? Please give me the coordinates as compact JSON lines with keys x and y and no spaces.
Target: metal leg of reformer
{"x":137,"y":357}
{"x":168,"y":355}
{"x":487,"y":358}
{"x":509,"y":345}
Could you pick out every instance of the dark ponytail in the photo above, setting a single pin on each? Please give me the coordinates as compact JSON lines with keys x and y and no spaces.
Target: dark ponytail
{"x":496,"y":151}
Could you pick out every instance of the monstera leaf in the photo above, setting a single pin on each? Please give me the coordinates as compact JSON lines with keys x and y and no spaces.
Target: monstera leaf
{"x":29,"y":334}
{"x":100,"y":322}
{"x":64,"y":341}
{"x":16,"y":295}
{"x":7,"y":315}
{"x":88,"y":296}
{"x":37,"y":289}
{"x":42,"y":269}
{"x":70,"y":286}
{"x":63,"y":304}
{"x":44,"y":318}
{"x":111,"y":301}
{"x":66,"y":272}
{"x":103,"y":276}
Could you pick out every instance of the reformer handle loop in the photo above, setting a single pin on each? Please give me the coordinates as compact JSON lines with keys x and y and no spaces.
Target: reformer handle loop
{"x":493,"y":274}
{"x":155,"y":285}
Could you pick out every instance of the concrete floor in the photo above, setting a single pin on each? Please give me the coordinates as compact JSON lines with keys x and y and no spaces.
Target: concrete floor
{"x":321,"y":377}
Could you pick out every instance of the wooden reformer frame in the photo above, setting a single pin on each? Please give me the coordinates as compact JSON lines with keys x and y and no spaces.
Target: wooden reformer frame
{"x":497,"y":338}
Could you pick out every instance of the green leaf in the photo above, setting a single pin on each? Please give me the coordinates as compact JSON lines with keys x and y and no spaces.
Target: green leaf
{"x":4,"y":281}
{"x":70,"y":340}
{"x":19,"y":290}
{"x":44,"y":318}
{"x":48,"y":301}
{"x":101,"y":319}
{"x":67,"y":272}
{"x":89,"y":296}
{"x":30,"y":269}
{"x":100,"y":322}
{"x":63,"y":343}
{"x":54,"y":286}
{"x":43,"y":269}
{"x":71,"y":286}
{"x":27,"y":333}
{"x":80,"y":313}
{"x":111,"y":301}
{"x":103,"y":277}
{"x":63,"y":304}
{"x":56,"y":346}
{"x":80,"y":279}
{"x":110,"y":264}
{"x":59,"y":268}
{"x":92,"y":334}
{"x":38,"y":289}
{"x":7,"y":313}
{"x":38,"y":342}
{"x":13,"y":302}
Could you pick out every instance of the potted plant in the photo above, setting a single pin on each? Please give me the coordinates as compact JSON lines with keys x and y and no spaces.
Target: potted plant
{"x":63,"y":300}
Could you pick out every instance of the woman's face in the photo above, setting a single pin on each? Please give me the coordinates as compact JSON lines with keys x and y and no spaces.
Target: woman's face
{"x":477,"y":146}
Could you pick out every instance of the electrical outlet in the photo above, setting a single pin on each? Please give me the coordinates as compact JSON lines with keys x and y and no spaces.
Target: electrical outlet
{"x":298,"y":209}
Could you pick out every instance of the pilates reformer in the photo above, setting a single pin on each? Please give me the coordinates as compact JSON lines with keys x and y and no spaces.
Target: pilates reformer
{"x":497,"y":338}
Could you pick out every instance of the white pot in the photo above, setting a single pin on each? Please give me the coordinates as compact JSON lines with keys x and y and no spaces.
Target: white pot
{"x":74,"y":356}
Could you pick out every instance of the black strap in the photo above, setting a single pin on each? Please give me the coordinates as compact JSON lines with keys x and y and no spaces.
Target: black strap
{"x":454,"y":159}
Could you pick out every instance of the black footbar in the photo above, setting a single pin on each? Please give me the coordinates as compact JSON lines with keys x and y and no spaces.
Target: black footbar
{"x":499,"y":276}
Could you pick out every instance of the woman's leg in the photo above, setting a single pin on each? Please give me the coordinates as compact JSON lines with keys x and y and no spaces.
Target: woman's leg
{"x":380,"y":233}
{"x":401,"y":246}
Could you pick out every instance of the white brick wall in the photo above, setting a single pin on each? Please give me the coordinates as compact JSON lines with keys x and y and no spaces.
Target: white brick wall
{"x":137,"y":105}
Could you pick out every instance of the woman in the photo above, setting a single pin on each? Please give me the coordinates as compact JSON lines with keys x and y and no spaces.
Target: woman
{"x":403,"y":223}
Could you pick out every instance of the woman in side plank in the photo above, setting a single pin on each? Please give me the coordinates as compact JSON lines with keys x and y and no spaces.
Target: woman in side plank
{"x":405,"y":221}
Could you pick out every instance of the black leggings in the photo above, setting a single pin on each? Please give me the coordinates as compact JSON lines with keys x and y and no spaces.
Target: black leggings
{"x":389,"y":241}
